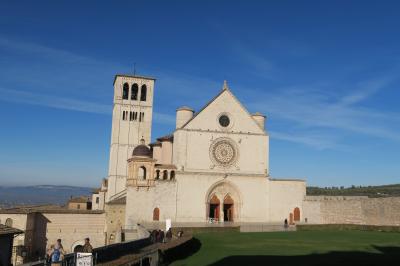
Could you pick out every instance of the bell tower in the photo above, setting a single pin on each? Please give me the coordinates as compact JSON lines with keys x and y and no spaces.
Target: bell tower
{"x":131,"y":122}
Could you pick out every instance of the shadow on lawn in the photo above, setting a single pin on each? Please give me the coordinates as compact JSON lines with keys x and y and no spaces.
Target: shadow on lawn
{"x":388,"y":256}
{"x":180,"y":252}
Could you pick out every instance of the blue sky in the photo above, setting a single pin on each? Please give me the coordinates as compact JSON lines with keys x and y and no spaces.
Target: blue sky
{"x":326,"y":74}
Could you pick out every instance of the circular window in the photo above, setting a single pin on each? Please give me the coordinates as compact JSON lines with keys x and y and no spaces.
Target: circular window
{"x":223,"y":152}
{"x":224,"y":120}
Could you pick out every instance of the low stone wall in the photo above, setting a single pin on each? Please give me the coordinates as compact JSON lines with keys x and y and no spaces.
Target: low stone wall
{"x":351,"y":210}
{"x":206,"y":229}
{"x":345,"y":227}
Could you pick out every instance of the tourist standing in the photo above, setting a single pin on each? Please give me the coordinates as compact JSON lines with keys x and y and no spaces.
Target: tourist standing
{"x":87,"y":247}
{"x":286,"y":225}
{"x":168,"y":235}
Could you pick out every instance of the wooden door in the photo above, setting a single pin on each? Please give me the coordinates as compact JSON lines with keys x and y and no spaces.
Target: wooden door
{"x":156,"y":214}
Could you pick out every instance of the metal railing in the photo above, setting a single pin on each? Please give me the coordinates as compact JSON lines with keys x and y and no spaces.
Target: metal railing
{"x":100,"y":254}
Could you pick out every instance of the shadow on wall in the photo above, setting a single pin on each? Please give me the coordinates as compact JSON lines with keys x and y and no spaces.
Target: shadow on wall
{"x":35,"y":236}
{"x":384,"y":256}
{"x":40,"y":234}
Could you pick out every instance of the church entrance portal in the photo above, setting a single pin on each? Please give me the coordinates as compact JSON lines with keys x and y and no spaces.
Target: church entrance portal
{"x":228,"y":209}
{"x":214,"y":208}
{"x":223,"y":203}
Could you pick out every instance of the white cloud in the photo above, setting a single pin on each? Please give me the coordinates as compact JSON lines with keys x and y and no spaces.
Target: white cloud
{"x":26,"y":97}
{"x":311,"y":109}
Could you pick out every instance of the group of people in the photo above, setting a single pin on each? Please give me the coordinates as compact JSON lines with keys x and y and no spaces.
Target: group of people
{"x":158,"y":236}
{"x":55,"y":254}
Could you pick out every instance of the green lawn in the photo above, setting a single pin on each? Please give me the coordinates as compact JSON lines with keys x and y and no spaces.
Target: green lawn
{"x":294,"y":248}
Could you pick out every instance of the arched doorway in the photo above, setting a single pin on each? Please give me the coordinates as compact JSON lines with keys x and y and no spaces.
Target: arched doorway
{"x":78,"y":248}
{"x":156,"y":214}
{"x":291,"y":218}
{"x":296,"y":214}
{"x":228,"y":209}
{"x":214,"y":208}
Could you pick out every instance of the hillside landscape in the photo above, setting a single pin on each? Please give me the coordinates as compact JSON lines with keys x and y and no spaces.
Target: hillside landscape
{"x":45,"y":194}
{"x":370,"y":191}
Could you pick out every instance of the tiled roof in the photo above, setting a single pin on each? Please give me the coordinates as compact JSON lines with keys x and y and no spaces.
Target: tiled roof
{"x":165,"y":166}
{"x":121,"y":200}
{"x":44,"y":209}
{"x":166,"y":137}
{"x":132,"y":76}
{"x":6,"y":230}
{"x":81,"y":199}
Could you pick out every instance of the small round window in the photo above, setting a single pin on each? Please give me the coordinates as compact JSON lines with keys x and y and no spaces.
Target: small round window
{"x":224,"y":120}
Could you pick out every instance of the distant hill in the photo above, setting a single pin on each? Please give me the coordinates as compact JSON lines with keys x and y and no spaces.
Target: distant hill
{"x":370,"y":191}
{"x":45,"y":194}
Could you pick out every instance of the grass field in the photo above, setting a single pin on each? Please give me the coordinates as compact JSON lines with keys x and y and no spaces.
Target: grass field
{"x":294,"y":248}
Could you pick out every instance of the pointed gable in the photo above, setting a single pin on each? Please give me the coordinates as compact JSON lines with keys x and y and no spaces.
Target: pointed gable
{"x":225,"y":103}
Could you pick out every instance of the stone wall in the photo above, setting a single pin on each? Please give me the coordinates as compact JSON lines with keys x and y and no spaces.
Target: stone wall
{"x":73,"y":228}
{"x":115,"y":221}
{"x":351,"y":210}
{"x":285,"y":196}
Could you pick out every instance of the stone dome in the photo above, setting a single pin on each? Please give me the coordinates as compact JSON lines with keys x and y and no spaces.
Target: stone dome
{"x":141,"y":150}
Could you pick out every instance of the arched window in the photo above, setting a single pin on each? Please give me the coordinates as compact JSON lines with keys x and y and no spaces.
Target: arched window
{"x":158,"y":174}
{"x":143,"y":93}
{"x":172,"y":175}
{"x":165,"y":175}
{"x":134,"y":91}
{"x":142,"y":173}
{"x":156,"y":214}
{"x":125,"y":91}
{"x":9,"y":222}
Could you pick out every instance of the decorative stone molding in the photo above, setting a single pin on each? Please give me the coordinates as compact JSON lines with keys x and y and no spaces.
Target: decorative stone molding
{"x":224,"y":152}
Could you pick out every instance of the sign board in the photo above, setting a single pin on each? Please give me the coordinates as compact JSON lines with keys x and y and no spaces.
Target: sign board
{"x":84,"y":259}
{"x":167,"y":224}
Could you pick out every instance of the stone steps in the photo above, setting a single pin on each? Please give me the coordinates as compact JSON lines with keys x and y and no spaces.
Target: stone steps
{"x":265,"y":228}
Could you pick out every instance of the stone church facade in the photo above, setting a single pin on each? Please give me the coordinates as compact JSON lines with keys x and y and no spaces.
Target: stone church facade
{"x":213,"y":168}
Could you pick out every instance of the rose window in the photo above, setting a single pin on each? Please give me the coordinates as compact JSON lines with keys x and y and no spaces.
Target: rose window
{"x":223,"y":152}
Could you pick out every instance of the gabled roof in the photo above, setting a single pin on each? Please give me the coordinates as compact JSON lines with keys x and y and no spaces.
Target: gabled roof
{"x":225,"y":88}
{"x":204,"y":107}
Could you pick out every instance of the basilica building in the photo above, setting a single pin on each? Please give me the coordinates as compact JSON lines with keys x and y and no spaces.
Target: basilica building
{"x":213,"y":167}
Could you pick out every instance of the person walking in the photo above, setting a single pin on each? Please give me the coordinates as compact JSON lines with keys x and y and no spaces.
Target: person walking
{"x":57,"y":253}
{"x":87,"y":247}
